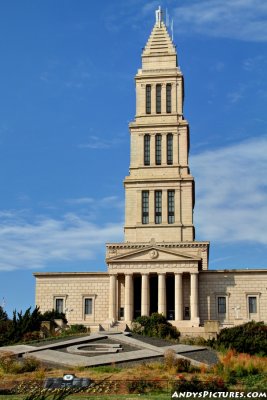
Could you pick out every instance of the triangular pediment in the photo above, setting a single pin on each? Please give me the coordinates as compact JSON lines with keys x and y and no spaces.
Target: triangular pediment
{"x":153,"y":254}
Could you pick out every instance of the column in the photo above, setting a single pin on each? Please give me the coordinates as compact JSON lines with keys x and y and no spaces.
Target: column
{"x":139,"y":206}
{"x":153,"y":99}
{"x":164,"y":206}
{"x":163,"y":98}
{"x":141,"y":147}
{"x":178,"y":302}
{"x":177,"y":205}
{"x":145,"y":297}
{"x":112,"y":297}
{"x":128,"y":304}
{"x":162,"y":294}
{"x":194,"y":295}
{"x":175,"y":149}
{"x":164,"y":149}
{"x":152,"y":149}
{"x":175,"y":89}
{"x":151,"y":207}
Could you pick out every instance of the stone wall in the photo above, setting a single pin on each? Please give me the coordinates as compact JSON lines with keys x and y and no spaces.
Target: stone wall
{"x":73,"y":288}
{"x":237,"y":286}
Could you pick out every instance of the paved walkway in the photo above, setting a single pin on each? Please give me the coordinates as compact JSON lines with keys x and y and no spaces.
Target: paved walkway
{"x":144,"y":351}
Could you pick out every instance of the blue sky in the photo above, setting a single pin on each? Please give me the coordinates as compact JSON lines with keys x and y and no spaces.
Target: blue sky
{"x":67,"y":95}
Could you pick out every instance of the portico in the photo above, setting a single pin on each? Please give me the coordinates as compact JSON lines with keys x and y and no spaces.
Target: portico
{"x":138,"y":289}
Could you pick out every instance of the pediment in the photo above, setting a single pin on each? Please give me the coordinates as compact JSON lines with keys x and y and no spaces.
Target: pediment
{"x":153,"y":254}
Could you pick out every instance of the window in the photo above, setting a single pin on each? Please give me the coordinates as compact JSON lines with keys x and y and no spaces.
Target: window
{"x":59,"y":304}
{"x":147,"y":150}
{"x":148,"y":99}
{"x":145,"y":207}
{"x":252,"y":304}
{"x":221,"y":300}
{"x":88,"y":306}
{"x":168,"y":98}
{"x":158,"y":99}
{"x":158,"y":206}
{"x":169,"y":149}
{"x":158,"y":150}
{"x":171,"y":206}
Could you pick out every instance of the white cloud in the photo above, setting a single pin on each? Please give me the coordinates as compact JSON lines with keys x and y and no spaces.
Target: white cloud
{"x":231,"y":192}
{"x":236,"y":19}
{"x":43,"y":240}
{"x":98,"y":143}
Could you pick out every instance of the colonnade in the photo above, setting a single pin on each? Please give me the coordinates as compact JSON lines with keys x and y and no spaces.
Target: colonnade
{"x":162,"y":296}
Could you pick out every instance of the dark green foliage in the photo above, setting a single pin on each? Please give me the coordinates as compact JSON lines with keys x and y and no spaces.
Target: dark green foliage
{"x":3,"y":315}
{"x":52,"y":315}
{"x":250,"y":338}
{"x":76,"y":328}
{"x":156,"y":325}
{"x":21,"y":324}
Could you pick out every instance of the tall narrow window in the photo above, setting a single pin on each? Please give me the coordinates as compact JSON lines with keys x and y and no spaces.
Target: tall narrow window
{"x":158,"y":99}
{"x":148,"y":99}
{"x":88,"y":306}
{"x":169,"y":149}
{"x":158,"y":150}
{"x":59,"y":305}
{"x":145,"y":207}
{"x":158,"y":206}
{"x":252,"y":304}
{"x":171,"y":206}
{"x":221,"y":304}
{"x":147,"y":150}
{"x":169,"y":98}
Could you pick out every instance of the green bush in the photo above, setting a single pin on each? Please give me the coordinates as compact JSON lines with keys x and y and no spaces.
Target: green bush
{"x":51,"y":315}
{"x":11,"y":365}
{"x":156,"y":325}
{"x":250,"y":338}
{"x":77,"y":328}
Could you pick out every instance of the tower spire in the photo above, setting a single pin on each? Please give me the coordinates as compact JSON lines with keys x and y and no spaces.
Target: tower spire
{"x":159,"y":15}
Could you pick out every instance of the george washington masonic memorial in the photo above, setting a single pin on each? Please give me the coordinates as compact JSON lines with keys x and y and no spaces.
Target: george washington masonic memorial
{"x":159,"y":267}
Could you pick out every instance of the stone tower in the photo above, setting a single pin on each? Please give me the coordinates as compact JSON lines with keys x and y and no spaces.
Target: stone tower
{"x":156,"y":268}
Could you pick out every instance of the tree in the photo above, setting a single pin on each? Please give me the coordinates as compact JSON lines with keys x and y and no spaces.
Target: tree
{"x":3,"y":315}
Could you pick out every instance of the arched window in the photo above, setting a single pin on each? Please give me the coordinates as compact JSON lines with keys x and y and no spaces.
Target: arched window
{"x":158,"y":99}
{"x":168,"y":98}
{"x":148,"y":99}
{"x":169,"y":149}
{"x":147,"y":149}
{"x":158,"y":149}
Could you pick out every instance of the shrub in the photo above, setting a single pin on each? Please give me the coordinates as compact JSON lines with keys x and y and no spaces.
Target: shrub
{"x":249,"y":338}
{"x":30,"y":336}
{"x":234,"y":365}
{"x":173,"y":362}
{"x":51,"y":315}
{"x":77,"y":328}
{"x":196,"y":385}
{"x":10,"y":364}
{"x":156,"y":325}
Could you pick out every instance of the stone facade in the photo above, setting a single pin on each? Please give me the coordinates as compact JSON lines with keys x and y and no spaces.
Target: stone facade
{"x":159,"y":267}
